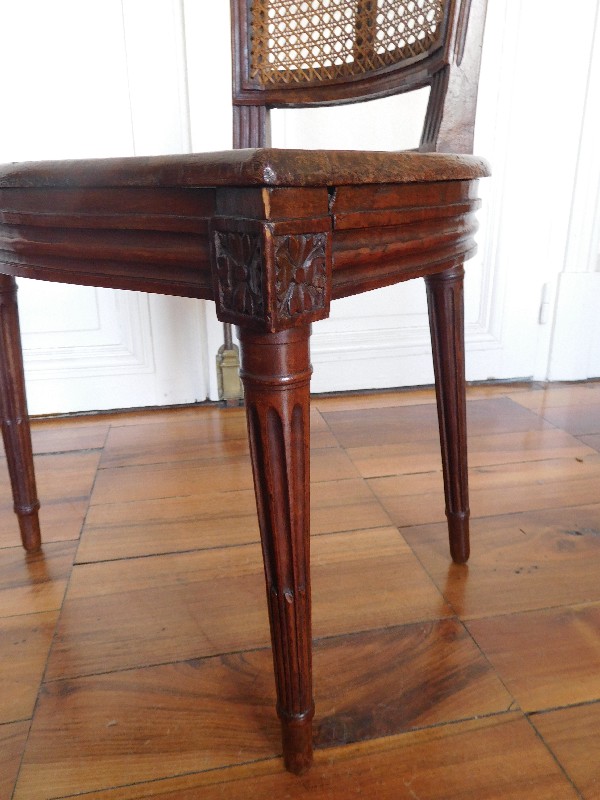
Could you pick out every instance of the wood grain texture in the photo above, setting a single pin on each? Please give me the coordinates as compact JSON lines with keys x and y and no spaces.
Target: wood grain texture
{"x":557,"y":396}
{"x":66,"y":435}
{"x":24,"y":645}
{"x":572,"y":736}
{"x":60,"y":222}
{"x":214,"y":519}
{"x":378,"y":683}
{"x":197,"y":476}
{"x":186,"y":439}
{"x":502,"y":448}
{"x":383,"y":426}
{"x":474,"y":759}
{"x":37,"y":582}
{"x":209,"y":602}
{"x":12,"y":742}
{"x":137,"y":725}
{"x":522,"y":562}
{"x":500,"y":489}
{"x":553,"y":658}
{"x":66,"y":480}
{"x":579,"y":420}
{"x":167,"y":720}
{"x":394,"y":660}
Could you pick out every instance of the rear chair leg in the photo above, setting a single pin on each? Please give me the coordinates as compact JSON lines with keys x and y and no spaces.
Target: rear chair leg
{"x":14,"y":418}
{"x":446,"y":321}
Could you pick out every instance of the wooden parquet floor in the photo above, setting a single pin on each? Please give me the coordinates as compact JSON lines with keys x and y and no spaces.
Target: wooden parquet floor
{"x":134,"y":657}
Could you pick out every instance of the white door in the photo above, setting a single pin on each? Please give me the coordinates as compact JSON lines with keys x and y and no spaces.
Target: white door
{"x":575,"y":346}
{"x":95,"y":79}
{"x":125,"y":77}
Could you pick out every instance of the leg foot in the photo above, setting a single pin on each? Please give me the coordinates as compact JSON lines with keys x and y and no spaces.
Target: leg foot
{"x":296,"y":734}
{"x":458,"y":532}
{"x":446,"y":319}
{"x":29,"y":525}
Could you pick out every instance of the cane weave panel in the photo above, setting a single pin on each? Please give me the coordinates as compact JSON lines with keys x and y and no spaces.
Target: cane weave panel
{"x":314,"y":41}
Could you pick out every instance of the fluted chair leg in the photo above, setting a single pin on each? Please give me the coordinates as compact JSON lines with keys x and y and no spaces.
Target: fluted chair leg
{"x":446,"y":320}
{"x":14,"y":418}
{"x":276,"y":375}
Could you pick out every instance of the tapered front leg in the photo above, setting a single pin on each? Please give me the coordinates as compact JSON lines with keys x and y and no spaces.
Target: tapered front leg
{"x":446,"y":320}
{"x":14,"y":418}
{"x":276,"y":375}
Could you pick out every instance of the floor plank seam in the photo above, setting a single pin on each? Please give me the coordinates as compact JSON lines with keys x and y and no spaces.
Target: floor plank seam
{"x":552,"y":754}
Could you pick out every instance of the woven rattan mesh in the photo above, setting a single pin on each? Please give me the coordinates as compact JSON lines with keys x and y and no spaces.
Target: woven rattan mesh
{"x":314,"y":41}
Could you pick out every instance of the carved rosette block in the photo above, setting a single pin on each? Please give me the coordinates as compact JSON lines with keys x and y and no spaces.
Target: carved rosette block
{"x":276,"y":375}
{"x":271,"y":275}
{"x":14,"y":418}
{"x":446,"y":321}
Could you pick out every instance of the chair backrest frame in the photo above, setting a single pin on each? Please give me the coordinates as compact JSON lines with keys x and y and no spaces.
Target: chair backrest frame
{"x":450,"y":66}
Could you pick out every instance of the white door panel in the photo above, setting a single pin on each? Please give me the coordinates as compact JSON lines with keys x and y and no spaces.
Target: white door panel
{"x":125,"y":77}
{"x":97,"y":79}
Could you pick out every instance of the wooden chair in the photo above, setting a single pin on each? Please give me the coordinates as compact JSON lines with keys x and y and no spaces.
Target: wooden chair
{"x":271,"y":236}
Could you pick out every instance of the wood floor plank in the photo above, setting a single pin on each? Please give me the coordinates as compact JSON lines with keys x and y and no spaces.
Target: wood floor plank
{"x":66,"y":435}
{"x":168,"y":525}
{"x":186,"y":439}
{"x":378,"y":683}
{"x":167,"y":720}
{"x":12,"y":743}
{"x":347,"y":401}
{"x":64,"y":483}
{"x":487,"y":759}
{"x":558,"y":396}
{"x":345,"y":505}
{"x":519,"y":562}
{"x":24,"y":645}
{"x":545,"y":658}
{"x":179,"y":440}
{"x":385,"y":399}
{"x":61,"y":477}
{"x":177,"y":479}
{"x":572,"y":734}
{"x":383,"y":426}
{"x":152,"y":610}
{"x":576,"y":419}
{"x":217,"y":519}
{"x":33,"y":582}
{"x":145,"y":724}
{"x":502,"y":448}
{"x":502,"y":489}
{"x":144,"y":695}
{"x":160,"y":414}
{"x":591,"y":440}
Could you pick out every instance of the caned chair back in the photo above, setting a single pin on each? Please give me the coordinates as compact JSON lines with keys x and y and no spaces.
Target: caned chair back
{"x":325,"y":52}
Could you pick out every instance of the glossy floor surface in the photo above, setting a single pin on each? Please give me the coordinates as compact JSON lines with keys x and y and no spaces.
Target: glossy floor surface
{"x":134,"y":658}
